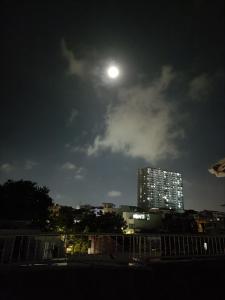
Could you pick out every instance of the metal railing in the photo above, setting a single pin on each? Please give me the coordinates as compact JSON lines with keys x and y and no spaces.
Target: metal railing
{"x":16,"y":249}
{"x":163,"y":245}
{"x":19,"y":248}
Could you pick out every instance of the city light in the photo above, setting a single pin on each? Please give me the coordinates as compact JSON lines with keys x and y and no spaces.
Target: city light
{"x":139,"y":216}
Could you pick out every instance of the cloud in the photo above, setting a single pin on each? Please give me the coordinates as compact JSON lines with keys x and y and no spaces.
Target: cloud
{"x":69,"y":166}
{"x":76,"y":149}
{"x":143,"y":123}
{"x":79,"y":176}
{"x":200,"y":87}
{"x":72,"y":117}
{"x":80,"y":173}
{"x":30,"y":164}
{"x":76,"y":66}
{"x":114,"y":194}
{"x":7,"y":167}
{"x":60,"y":198}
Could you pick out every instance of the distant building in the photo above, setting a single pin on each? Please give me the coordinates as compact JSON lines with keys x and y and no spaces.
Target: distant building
{"x":108,"y":207}
{"x":54,"y":210}
{"x":127,"y":208}
{"x":97,"y":210}
{"x":159,"y":189}
{"x":142,"y":222}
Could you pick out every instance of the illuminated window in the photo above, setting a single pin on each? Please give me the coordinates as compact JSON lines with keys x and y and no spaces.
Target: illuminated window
{"x":139,"y":216}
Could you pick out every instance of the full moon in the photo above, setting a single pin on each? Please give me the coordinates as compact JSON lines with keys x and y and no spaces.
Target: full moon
{"x":113,"y":72}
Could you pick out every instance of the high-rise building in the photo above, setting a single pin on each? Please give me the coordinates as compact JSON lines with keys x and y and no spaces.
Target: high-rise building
{"x":159,"y":189}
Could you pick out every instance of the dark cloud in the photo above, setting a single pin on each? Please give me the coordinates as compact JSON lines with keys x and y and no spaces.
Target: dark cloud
{"x":200,"y":87}
{"x":7,"y":167}
{"x":75,"y":66}
{"x":73,"y":114}
{"x":30,"y":164}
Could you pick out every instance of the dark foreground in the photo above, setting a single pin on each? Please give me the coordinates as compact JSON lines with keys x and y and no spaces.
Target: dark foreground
{"x":180,"y":280}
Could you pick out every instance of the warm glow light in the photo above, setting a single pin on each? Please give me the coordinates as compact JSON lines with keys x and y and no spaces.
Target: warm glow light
{"x":113,"y":72}
{"x":139,"y":216}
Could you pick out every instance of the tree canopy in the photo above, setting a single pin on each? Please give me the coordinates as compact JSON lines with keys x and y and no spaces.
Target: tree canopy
{"x":103,"y":223}
{"x":180,"y":223}
{"x":25,"y":200}
{"x":68,"y":219}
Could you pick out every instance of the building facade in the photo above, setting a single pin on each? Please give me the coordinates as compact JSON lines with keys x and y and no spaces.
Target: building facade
{"x":142,"y":222}
{"x":159,"y":189}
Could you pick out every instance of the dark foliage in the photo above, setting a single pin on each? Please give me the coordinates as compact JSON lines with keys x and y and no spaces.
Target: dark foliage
{"x":179,"y":223}
{"x":25,"y":200}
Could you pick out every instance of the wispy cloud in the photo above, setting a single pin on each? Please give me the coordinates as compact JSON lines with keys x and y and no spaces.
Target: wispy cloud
{"x":30,"y":164}
{"x":73,"y":115}
{"x":142,"y":123}
{"x":7,"y":167}
{"x":114,"y":194}
{"x":78,"y":172}
{"x":76,"y":148}
{"x":69,"y":166}
{"x":75,"y":66}
{"x":200,"y":87}
{"x":79,"y":176}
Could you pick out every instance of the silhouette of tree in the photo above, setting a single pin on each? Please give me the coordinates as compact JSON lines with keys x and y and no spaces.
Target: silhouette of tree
{"x":110,"y":223}
{"x":180,"y":223}
{"x":102,"y":223}
{"x":63,"y":220}
{"x":25,"y":200}
{"x":87,"y":223}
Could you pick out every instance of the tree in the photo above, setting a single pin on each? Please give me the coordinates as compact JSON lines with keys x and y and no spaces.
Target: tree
{"x":179,"y":223}
{"x":87,"y":223}
{"x":103,"y":223}
{"x":110,"y":223}
{"x":25,"y":200}
{"x":63,"y":220}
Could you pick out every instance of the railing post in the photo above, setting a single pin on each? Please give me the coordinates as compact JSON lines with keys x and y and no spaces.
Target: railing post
{"x":169,"y":237}
{"x":188,"y":245}
{"x":116,"y":245}
{"x":220,"y":248}
{"x":165,"y":248}
{"x":184,"y":250}
{"x":28,"y":248}
{"x":178,"y":237}
{"x":215,"y":238}
{"x":144,"y":246}
{"x":133,"y":245}
{"x":150,"y":246}
{"x":139,"y":242}
{"x":174,"y":244}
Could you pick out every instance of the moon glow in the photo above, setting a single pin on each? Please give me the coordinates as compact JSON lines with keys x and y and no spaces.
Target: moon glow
{"x":113,"y":72}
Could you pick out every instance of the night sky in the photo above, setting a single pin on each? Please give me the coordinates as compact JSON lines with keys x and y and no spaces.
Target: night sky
{"x":65,"y":125}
